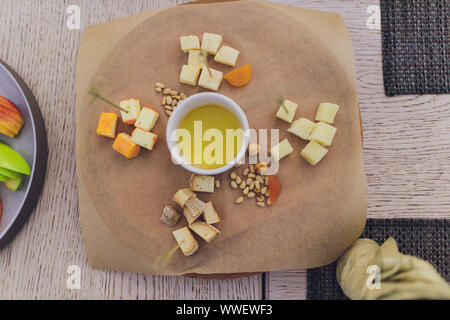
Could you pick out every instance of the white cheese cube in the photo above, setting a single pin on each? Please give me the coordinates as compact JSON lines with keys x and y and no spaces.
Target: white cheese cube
{"x":288,"y":115}
{"x":313,"y":153}
{"x":147,"y":119}
{"x":133,"y":106}
{"x":186,"y":241}
{"x":204,"y":230}
{"x":210,"y":82}
{"x":302,"y":128}
{"x":189,"y":74}
{"x":323,"y":133}
{"x":196,"y":59}
{"x":227,"y":55}
{"x":144,"y":138}
{"x":281,"y":150}
{"x":189,"y":43}
{"x":211,"y":42}
{"x":327,"y":112}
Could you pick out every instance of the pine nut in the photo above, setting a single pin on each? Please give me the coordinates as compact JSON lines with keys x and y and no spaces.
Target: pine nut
{"x":169,"y":113}
{"x":217,"y":182}
{"x":160,"y":85}
{"x":159,"y":90}
{"x":234,"y":185}
{"x":246,"y":170}
{"x":233,"y":175}
{"x":238,"y":180}
{"x":166,"y":91}
{"x":251,"y":195}
{"x":243,"y":185}
{"x":246,"y":191}
{"x":169,"y":100}
{"x":239,"y":200}
{"x":261,"y":204}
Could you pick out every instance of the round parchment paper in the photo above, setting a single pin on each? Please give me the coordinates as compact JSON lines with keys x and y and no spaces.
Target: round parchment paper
{"x":321,"y":210}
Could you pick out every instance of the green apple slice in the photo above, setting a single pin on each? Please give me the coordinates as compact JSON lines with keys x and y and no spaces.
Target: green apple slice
{"x":3,"y":178}
{"x":9,"y":174}
{"x":13,"y":184}
{"x":11,"y":160}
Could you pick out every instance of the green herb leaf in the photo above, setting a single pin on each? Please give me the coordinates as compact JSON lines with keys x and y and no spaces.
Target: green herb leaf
{"x":96,"y":95}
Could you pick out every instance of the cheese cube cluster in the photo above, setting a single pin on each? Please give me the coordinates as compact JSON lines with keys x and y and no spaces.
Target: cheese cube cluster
{"x":287,"y":110}
{"x":227,"y":55}
{"x":189,"y":43}
{"x":144,"y":120}
{"x":197,"y":69}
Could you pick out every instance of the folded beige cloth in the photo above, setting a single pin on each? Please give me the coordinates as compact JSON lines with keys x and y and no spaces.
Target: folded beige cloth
{"x":401,"y":277}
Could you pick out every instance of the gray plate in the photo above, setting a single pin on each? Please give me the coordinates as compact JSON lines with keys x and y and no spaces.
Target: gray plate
{"x":31,"y":143}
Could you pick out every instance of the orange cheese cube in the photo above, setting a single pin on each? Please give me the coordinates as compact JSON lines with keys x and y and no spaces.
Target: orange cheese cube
{"x":107,"y":125}
{"x":125,"y":146}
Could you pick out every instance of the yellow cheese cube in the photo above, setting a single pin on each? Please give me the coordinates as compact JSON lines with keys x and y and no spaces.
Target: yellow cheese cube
{"x":186,"y":241}
{"x":189,"y":74}
{"x":147,"y":119}
{"x":288,"y":115}
{"x":107,"y":125}
{"x":281,"y":150}
{"x":227,"y":55}
{"x":302,"y":128}
{"x":189,"y":43}
{"x":204,"y":230}
{"x":313,"y":153}
{"x":144,"y":138}
{"x":211,"y":42}
{"x":327,"y":112}
{"x":196,"y":59}
{"x":210,"y":82}
{"x":125,"y":146}
{"x":133,"y":106}
{"x":323,"y":133}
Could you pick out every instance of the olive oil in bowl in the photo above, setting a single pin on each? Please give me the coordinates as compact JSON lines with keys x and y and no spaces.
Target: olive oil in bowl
{"x":210,"y":136}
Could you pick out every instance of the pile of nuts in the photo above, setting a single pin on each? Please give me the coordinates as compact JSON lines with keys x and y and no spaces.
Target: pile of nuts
{"x":171,"y":98}
{"x":253,"y":184}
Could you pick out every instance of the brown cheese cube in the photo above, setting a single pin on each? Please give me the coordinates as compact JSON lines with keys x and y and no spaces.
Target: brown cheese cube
{"x":170,"y":216}
{"x":182,"y":196}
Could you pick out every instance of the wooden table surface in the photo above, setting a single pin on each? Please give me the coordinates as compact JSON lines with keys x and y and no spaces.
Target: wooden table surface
{"x":406,"y":155}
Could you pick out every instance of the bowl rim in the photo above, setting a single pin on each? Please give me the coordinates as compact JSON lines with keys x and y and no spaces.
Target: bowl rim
{"x":177,"y":116}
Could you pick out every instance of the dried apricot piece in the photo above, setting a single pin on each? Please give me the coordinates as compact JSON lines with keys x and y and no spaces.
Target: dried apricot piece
{"x":239,"y":77}
{"x":274,"y":189}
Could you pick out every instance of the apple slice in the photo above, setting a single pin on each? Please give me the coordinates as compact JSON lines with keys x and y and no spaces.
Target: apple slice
{"x":11,"y":160}
{"x":9,"y":174}
{"x":13,"y":184}
{"x":11,"y":120}
{"x":3,"y":178}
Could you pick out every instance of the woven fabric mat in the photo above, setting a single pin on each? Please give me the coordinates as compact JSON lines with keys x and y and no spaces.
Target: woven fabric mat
{"x":415,"y":42}
{"x":426,"y":239}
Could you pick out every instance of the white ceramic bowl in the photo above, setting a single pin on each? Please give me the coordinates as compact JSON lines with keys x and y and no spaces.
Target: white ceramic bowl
{"x":193,"y":102}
